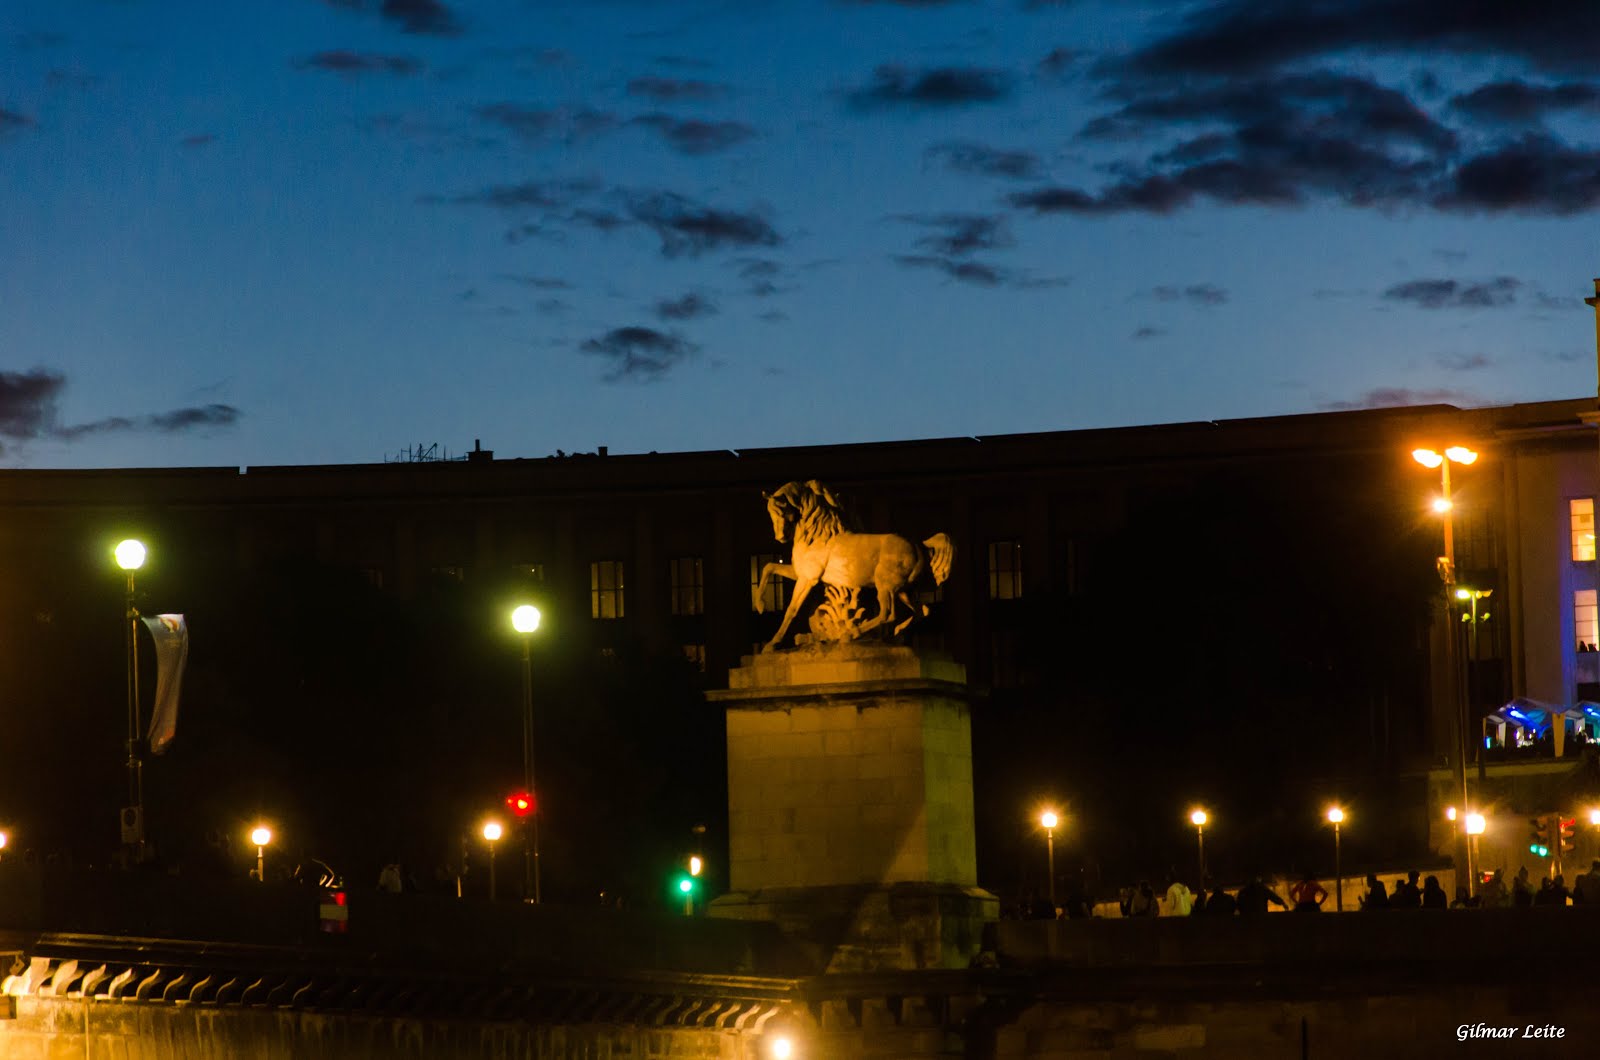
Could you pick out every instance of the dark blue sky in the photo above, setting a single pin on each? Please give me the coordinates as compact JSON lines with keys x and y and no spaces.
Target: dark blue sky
{"x":341,"y":227}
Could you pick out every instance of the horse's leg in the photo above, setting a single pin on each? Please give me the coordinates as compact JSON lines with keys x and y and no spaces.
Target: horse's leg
{"x":885,"y":608}
{"x":802,"y":589}
{"x":782,"y":569}
{"x":905,"y":598}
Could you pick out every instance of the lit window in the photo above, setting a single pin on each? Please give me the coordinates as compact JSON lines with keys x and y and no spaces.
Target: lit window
{"x":696,"y":653}
{"x":1005,"y":570}
{"x":688,"y":586}
{"x":775,"y":597}
{"x":605,"y":589}
{"x":1584,"y":619}
{"x":1582,"y":528}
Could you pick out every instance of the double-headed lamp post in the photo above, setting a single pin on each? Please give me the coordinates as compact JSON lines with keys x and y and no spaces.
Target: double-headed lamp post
{"x":1049,"y":821}
{"x":491,"y":835}
{"x":1444,"y":504}
{"x":525,"y":620}
{"x":261,"y":835}
{"x":1198,"y":818}
{"x":130,"y":557}
{"x":1336,"y":818}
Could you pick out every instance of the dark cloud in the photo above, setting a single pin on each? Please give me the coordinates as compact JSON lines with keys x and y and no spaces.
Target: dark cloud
{"x":967,"y":157}
{"x":1462,"y":362}
{"x":353,"y":63}
{"x":11,"y":121}
{"x":950,"y":86}
{"x":540,"y":283}
{"x":27,"y":402}
{"x":1148,"y":332}
{"x":1394,"y":396}
{"x":694,"y":137}
{"x":676,"y":90}
{"x":424,"y":17}
{"x":70,"y":79}
{"x":1456,"y":294}
{"x":1236,"y":36}
{"x":690,"y":228}
{"x":760,"y":275}
{"x":28,"y":411}
{"x":1533,"y":175}
{"x":198,"y":140}
{"x":542,"y":125}
{"x":1060,"y":61}
{"x":687,"y":307}
{"x":1517,"y":102}
{"x":639,"y":353}
{"x":973,"y":272}
{"x":530,"y":195}
{"x":962,"y":233}
{"x":1198,"y":293}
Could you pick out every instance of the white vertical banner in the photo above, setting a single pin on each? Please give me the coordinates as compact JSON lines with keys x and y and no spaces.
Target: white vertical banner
{"x":171,"y":635}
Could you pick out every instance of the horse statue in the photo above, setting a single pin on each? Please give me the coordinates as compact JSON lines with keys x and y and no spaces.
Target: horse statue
{"x":827,"y":548}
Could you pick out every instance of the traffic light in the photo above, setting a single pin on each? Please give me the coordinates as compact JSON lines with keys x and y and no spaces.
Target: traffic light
{"x":1568,"y":841}
{"x":520,"y":803}
{"x":686,"y":885}
{"x":1539,"y":836}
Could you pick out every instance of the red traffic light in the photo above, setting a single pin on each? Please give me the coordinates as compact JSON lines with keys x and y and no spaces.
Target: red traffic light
{"x":520,"y":803}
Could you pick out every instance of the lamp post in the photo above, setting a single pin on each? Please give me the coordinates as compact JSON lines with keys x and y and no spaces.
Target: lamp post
{"x":261,"y":835}
{"x":1474,"y":826}
{"x":1198,"y":819}
{"x":1471,"y":598}
{"x":525,"y":619}
{"x":1336,"y":818}
{"x":130,"y":557}
{"x":1446,"y":565}
{"x":1049,"y":820}
{"x":491,"y":834}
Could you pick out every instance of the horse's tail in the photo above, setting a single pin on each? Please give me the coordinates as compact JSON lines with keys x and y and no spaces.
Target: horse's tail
{"x":941,"y":557}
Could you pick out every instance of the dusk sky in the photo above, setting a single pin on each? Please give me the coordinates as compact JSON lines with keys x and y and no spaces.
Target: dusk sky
{"x":335,"y":228}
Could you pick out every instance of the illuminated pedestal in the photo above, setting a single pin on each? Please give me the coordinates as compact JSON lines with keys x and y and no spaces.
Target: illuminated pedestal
{"x":850,"y":806}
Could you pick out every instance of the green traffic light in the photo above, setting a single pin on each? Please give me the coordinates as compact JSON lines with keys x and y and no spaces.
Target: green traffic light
{"x":685,"y":884}
{"x":1542,"y":851}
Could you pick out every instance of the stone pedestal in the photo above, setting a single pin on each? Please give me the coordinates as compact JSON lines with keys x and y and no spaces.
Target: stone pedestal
{"x":850,"y":805}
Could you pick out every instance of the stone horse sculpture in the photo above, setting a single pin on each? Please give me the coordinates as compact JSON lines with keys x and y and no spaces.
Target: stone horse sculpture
{"x":827,"y":549}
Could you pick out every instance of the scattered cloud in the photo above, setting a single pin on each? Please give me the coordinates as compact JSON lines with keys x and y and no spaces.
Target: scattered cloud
{"x":688,"y":228}
{"x":1456,"y":294}
{"x":760,"y":275}
{"x":962,"y":233}
{"x":1462,"y":362}
{"x":547,"y":125}
{"x":1395,"y":396}
{"x":639,"y":353}
{"x":423,"y":17}
{"x":1518,"y":102}
{"x":529,"y":195}
{"x":1061,"y":61}
{"x":949,"y":86}
{"x":973,"y":272}
{"x":1535,"y":174}
{"x":351,"y":64}
{"x":968,"y":157}
{"x":686,"y":307}
{"x":695,"y":137}
{"x":1238,"y":36}
{"x":11,"y":121}
{"x":198,"y":140}
{"x":676,"y":90}
{"x":1206,"y":294}
{"x":28,"y":411}
{"x":1149,"y":332}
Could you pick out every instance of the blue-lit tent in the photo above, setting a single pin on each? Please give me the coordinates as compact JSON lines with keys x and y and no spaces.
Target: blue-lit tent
{"x":1536,"y":717}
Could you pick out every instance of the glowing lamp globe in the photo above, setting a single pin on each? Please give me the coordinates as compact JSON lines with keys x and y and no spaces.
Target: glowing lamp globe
{"x":525,"y":619}
{"x":1198,"y":817}
{"x":261,"y":836}
{"x":1335,"y":815}
{"x":130,"y":554}
{"x":492,"y":831}
{"x":1049,"y":819}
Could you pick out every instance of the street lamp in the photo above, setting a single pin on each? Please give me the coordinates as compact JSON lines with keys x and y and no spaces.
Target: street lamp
{"x":1336,"y":818}
{"x":1446,"y":565}
{"x":1198,"y":819}
{"x":1475,"y":826}
{"x":492,"y":833}
{"x":1471,"y":598}
{"x":130,"y":557}
{"x":525,"y":619}
{"x":261,"y":835}
{"x":1049,"y":820}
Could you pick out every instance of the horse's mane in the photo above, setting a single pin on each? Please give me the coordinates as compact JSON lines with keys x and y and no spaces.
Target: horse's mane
{"x":819,"y":515}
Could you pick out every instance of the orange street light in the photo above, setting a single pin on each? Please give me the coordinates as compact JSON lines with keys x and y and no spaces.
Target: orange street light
{"x":1336,"y":818}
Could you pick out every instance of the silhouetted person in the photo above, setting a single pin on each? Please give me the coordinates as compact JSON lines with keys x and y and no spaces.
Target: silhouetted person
{"x":1433,"y":896}
{"x":1586,"y":889}
{"x":1376,"y":897}
{"x":1220,"y":903}
{"x":1143,"y":902}
{"x":1407,"y":895}
{"x":1494,"y":895}
{"x":1255,"y":896}
{"x":1308,"y":895}
{"x":1546,"y":894}
{"x":1560,"y":892}
{"x":1521,"y":889}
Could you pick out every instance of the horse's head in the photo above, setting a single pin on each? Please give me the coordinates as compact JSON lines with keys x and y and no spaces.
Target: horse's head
{"x":784,"y":509}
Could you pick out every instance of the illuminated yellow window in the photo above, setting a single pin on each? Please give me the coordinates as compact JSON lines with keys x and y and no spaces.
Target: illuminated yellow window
{"x":605,"y":589}
{"x":688,"y":586}
{"x":1582,"y":528}
{"x":1005,"y":570}
{"x":1584,"y":619}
